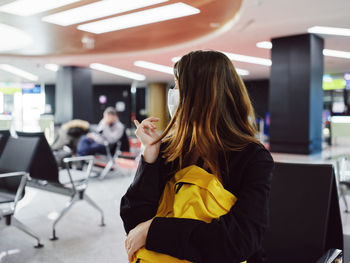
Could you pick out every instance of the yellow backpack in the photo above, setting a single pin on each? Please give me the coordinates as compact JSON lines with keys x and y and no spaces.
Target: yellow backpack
{"x":192,"y":193}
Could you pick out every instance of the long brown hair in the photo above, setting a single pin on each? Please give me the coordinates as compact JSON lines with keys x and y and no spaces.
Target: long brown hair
{"x":214,"y":115}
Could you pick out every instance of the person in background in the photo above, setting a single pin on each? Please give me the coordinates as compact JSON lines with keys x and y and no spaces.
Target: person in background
{"x":65,"y":144}
{"x":69,"y":134}
{"x":210,"y":140}
{"x":109,"y":130}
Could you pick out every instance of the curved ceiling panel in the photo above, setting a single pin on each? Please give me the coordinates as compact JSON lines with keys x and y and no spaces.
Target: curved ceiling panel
{"x":52,"y":39}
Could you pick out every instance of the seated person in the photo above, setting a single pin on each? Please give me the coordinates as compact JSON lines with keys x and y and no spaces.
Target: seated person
{"x":65,"y":144}
{"x":69,"y":134}
{"x":110,"y":130}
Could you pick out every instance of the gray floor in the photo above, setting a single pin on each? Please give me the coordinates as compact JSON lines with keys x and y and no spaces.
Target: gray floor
{"x":81,"y":239}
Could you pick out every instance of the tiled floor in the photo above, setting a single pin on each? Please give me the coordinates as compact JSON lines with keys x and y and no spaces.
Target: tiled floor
{"x":81,"y":239}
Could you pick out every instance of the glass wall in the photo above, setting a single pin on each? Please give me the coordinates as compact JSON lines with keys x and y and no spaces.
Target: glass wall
{"x":22,"y":106}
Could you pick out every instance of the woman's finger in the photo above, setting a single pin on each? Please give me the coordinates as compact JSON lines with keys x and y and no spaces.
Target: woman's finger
{"x":146,"y":131}
{"x":147,"y":122}
{"x":152,"y":119}
{"x":136,"y":123}
{"x":131,"y":255}
{"x":145,"y":126}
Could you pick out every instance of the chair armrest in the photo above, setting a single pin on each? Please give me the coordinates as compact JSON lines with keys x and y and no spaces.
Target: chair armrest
{"x":78,"y":158}
{"x":88,"y":158}
{"x":4,"y":175}
{"x":331,"y":256}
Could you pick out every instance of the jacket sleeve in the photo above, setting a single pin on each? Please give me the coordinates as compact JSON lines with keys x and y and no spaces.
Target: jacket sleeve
{"x":235,"y":236}
{"x":114,"y":133}
{"x":140,"y":203}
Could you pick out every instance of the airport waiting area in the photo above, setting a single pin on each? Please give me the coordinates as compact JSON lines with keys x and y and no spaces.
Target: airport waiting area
{"x":166,"y":131}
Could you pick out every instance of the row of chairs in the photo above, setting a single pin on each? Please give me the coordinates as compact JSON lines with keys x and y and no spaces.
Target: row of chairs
{"x":29,"y":160}
{"x":305,"y":223}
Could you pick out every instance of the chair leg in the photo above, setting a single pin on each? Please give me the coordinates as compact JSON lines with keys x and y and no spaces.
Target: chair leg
{"x":93,"y":204}
{"x":18,"y":224}
{"x":63,"y":212}
{"x":346,"y":203}
{"x":106,"y":170}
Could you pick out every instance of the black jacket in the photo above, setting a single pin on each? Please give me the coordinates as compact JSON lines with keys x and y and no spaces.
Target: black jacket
{"x":235,"y":237}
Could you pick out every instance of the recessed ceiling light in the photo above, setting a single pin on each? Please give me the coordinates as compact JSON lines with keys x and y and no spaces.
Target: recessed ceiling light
{"x":336,"y":53}
{"x":145,"y":17}
{"x":18,"y":72}
{"x":325,"y":30}
{"x":97,"y":10}
{"x":264,"y":44}
{"x":117,"y":71}
{"x":241,"y":58}
{"x":52,"y":67}
{"x":153,"y":66}
{"x":32,"y":7}
{"x":15,"y":38}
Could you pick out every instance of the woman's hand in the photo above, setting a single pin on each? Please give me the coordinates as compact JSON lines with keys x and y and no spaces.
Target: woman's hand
{"x":147,"y":133}
{"x":136,"y":238}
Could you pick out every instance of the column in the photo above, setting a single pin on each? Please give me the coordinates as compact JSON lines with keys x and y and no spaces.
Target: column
{"x":296,"y":95}
{"x":74,"y":94}
{"x":157,"y":103}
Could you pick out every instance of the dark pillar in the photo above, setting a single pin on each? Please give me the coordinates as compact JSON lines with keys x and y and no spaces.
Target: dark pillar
{"x":74,"y":94}
{"x":296,"y":95}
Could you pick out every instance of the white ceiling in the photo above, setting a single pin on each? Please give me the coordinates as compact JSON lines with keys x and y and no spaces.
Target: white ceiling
{"x":258,"y":20}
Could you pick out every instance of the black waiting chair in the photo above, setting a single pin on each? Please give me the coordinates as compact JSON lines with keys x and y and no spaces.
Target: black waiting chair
{"x":13,"y":163}
{"x":4,"y":136}
{"x":305,"y":223}
{"x":45,"y":175}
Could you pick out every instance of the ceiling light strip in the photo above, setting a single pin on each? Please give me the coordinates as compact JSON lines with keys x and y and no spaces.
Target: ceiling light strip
{"x":325,"y":30}
{"x":32,"y":7}
{"x":336,"y":53}
{"x":154,"y":66}
{"x":145,"y":17}
{"x":52,"y":67}
{"x":97,"y":10}
{"x":18,"y":72}
{"x":264,"y":44}
{"x":117,"y":71}
{"x":13,"y":38}
{"x":248,"y":59}
{"x":242,"y":72}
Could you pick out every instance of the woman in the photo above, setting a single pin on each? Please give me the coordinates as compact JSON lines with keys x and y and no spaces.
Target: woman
{"x":212,"y":127}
